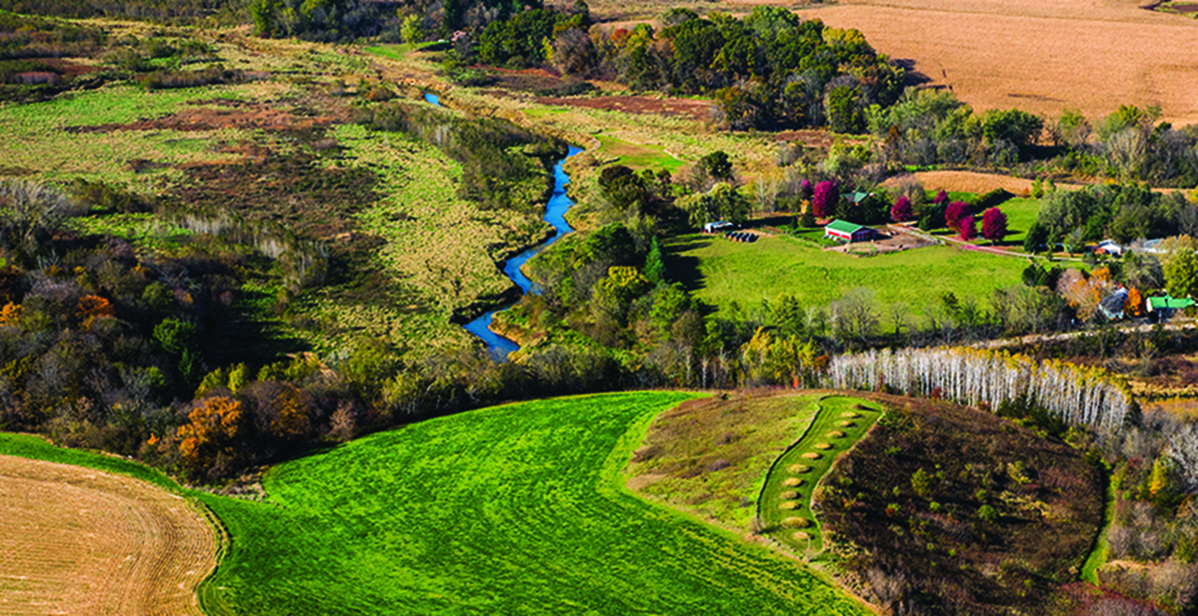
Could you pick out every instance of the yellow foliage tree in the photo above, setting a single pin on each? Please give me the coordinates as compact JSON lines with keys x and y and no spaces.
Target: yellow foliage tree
{"x":211,"y":429}
{"x":11,"y":314}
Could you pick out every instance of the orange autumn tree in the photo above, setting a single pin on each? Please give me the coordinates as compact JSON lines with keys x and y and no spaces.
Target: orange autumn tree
{"x":292,"y":421}
{"x":210,"y":434}
{"x":92,"y":307}
{"x":1134,"y":305}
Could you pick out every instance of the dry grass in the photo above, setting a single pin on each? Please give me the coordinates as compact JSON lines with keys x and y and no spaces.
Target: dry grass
{"x":796,"y":522}
{"x":744,"y":434}
{"x":79,"y":541}
{"x":1092,"y":55}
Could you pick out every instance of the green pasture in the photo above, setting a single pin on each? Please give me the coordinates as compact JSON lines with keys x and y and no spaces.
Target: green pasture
{"x":517,"y":509}
{"x":720,"y":272}
{"x":839,"y":423}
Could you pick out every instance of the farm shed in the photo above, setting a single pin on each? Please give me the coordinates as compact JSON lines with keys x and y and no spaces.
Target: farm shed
{"x":848,"y":232}
{"x":1164,"y":307}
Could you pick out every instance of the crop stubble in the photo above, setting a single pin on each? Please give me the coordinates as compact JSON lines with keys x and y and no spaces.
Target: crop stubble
{"x":80,"y":541}
{"x":1091,"y":55}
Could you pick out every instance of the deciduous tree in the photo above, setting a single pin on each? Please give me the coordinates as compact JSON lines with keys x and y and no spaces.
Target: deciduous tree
{"x":994,"y":224}
{"x":902,"y":212}
{"x":824,"y":199}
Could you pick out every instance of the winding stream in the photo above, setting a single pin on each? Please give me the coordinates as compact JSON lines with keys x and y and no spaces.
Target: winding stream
{"x":555,"y":214}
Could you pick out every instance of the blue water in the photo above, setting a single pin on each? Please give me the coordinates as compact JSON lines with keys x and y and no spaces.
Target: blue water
{"x":555,"y":214}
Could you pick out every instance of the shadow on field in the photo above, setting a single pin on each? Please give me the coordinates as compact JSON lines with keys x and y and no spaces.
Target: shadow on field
{"x":685,"y":268}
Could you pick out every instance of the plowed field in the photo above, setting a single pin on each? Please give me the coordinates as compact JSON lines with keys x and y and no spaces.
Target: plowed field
{"x":80,"y":541}
{"x":1043,"y":57}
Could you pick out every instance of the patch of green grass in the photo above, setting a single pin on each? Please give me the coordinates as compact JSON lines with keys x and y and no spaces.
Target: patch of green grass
{"x":37,"y":448}
{"x":1102,"y":545}
{"x":394,"y":52}
{"x":636,"y":155}
{"x":517,"y":509}
{"x":721,"y":272}
{"x":142,"y":230}
{"x":774,"y":508}
{"x":1021,"y":215}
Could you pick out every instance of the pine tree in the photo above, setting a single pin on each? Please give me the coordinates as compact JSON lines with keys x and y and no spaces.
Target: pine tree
{"x":655,"y":267}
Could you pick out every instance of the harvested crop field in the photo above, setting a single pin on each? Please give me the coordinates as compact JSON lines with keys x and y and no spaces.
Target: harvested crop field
{"x":1091,"y":55}
{"x":970,"y":182}
{"x":698,"y":110}
{"x":81,"y":541}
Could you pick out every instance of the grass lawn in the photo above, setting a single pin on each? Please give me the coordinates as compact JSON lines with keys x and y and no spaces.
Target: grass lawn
{"x":1021,"y":215}
{"x":721,"y":272}
{"x":517,"y":509}
{"x":785,"y":503}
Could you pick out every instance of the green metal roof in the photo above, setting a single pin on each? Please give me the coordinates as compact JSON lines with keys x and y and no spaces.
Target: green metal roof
{"x":1168,"y":302}
{"x":844,"y":226}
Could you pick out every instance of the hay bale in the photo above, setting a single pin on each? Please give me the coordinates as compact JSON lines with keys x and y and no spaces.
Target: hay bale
{"x":789,"y":505}
{"x":793,"y":482}
{"x":811,"y":455}
{"x":835,"y":434}
{"x":823,"y":446}
{"x":789,"y":495}
{"x":799,"y":468}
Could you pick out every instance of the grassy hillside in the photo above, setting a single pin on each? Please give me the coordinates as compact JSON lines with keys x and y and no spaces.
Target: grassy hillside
{"x":721,"y":272}
{"x":515,"y":509}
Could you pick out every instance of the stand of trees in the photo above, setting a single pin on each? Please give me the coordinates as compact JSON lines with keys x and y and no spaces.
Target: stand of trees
{"x":766,"y":70}
{"x":1076,"y":395}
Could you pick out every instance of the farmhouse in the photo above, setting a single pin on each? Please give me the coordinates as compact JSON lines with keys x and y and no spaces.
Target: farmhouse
{"x":848,"y":232}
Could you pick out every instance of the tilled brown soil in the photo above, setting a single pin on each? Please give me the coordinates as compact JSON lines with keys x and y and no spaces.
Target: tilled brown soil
{"x":80,"y":541}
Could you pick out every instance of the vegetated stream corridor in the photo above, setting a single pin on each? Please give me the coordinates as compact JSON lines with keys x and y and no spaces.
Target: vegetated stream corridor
{"x":516,"y":509}
{"x":555,"y":214}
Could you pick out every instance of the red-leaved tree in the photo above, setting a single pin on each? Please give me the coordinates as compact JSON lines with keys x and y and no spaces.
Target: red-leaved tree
{"x":941,"y":197}
{"x":955,"y":213}
{"x":824,"y":199}
{"x":994,"y":225}
{"x":902,"y":212}
{"x":967,"y":228}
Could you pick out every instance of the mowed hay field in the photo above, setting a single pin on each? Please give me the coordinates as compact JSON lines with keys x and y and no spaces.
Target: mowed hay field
{"x":1043,"y":57}
{"x":81,"y":541}
{"x":516,"y":509}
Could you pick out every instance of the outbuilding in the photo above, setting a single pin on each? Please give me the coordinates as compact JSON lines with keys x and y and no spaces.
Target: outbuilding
{"x":718,"y":226}
{"x":1163,"y":307}
{"x":848,"y":232}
